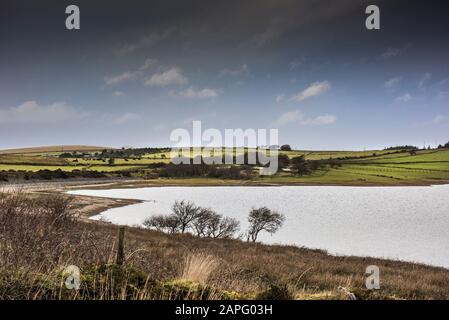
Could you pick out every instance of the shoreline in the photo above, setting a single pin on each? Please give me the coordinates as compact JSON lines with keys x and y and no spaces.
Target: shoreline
{"x":187,"y":182}
{"x":88,"y":206}
{"x":336,"y":254}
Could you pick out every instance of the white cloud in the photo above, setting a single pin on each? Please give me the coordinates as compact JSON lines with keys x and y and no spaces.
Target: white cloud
{"x":438,"y":119}
{"x":315,"y":89}
{"x":148,"y":64}
{"x":118,"y":94}
{"x":422,"y":82}
{"x":192,"y":93}
{"x":32,"y":112}
{"x":243,"y":70}
{"x":173,"y":76}
{"x":127,"y":117}
{"x":113,"y":80}
{"x":296,"y":63}
{"x":442,"y":94}
{"x":297,"y":117}
{"x":323,"y":120}
{"x":129,"y":75}
{"x":404,"y":98}
{"x":146,"y":41}
{"x":392,"y":83}
{"x":275,"y":29}
{"x":391,"y":53}
{"x":288,"y":117}
{"x":394,"y":52}
{"x":280,"y":98}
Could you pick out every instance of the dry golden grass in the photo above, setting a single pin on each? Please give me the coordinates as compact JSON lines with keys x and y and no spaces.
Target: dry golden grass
{"x":40,"y":237}
{"x":198,"y":267}
{"x":249,"y":268}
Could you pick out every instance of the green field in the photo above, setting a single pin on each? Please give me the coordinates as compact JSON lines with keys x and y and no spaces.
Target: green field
{"x":374,"y":167}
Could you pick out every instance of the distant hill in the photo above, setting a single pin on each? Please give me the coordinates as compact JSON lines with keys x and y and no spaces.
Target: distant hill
{"x":45,"y":149}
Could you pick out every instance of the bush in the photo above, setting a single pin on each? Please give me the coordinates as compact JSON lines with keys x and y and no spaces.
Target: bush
{"x":38,"y":233}
{"x":203,"y":170}
{"x":275,"y":292}
{"x":286,"y":147}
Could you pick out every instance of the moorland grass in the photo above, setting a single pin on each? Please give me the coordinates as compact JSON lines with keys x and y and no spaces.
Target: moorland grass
{"x":41,"y":236}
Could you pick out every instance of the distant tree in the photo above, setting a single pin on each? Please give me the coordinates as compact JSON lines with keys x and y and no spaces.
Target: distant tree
{"x":446,"y":145}
{"x":203,"y":220}
{"x":405,"y":147}
{"x":283,"y":161}
{"x":263,"y":219}
{"x":111,"y":161}
{"x":314,"y":165}
{"x":185,"y":212}
{"x":412,"y":152}
{"x":169,"y":224}
{"x":225,"y":228}
{"x":286,"y":147}
{"x":300,"y":165}
{"x":210,"y":224}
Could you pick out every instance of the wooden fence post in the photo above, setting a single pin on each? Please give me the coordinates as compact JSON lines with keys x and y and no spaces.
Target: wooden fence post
{"x":120,"y":247}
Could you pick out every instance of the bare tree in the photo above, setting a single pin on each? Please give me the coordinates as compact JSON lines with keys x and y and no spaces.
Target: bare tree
{"x":185,"y":212}
{"x":169,"y":224}
{"x":210,"y":224}
{"x":263,"y":219}
{"x":225,"y":228}
{"x":204,"y":219}
{"x":204,"y":222}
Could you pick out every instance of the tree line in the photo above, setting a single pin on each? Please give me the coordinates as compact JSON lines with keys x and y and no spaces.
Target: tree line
{"x":205,"y":222}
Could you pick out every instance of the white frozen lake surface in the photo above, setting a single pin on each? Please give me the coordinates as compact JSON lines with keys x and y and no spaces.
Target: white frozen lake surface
{"x":406,"y":223}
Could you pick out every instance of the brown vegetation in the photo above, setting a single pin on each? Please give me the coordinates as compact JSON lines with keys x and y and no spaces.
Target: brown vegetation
{"x":40,"y":237}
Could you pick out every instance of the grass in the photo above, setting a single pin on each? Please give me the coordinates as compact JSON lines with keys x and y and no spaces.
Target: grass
{"x":35,"y":168}
{"x":198,"y":267}
{"x":51,"y":149}
{"x":40,"y":236}
{"x":374,"y":167}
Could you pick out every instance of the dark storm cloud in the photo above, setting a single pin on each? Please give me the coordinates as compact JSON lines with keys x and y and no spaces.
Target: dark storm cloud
{"x":149,"y":65}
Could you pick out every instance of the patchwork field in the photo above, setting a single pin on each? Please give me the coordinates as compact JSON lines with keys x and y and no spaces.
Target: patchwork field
{"x":374,"y":167}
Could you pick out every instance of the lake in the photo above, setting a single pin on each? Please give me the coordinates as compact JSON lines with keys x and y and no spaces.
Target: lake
{"x":405,"y":223}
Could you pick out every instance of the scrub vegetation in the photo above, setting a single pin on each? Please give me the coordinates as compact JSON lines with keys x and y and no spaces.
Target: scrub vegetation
{"x":41,"y":235}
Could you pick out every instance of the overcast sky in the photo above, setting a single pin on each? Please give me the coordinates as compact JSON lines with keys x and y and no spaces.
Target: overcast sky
{"x":139,"y":69}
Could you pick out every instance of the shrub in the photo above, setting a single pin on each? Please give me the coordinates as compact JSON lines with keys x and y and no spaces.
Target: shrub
{"x":286,"y":147}
{"x":275,"y":292}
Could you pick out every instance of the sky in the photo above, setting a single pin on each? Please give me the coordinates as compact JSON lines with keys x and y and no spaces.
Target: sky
{"x":134,"y":72}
